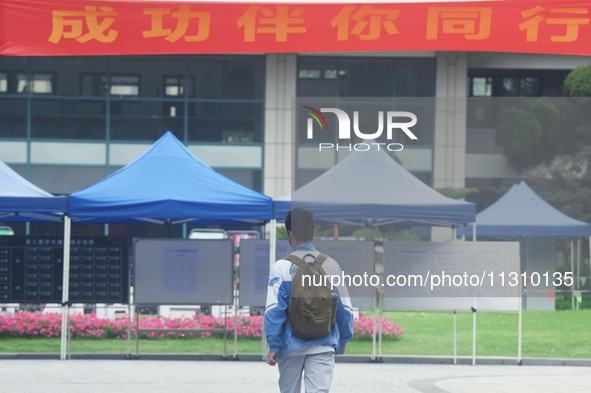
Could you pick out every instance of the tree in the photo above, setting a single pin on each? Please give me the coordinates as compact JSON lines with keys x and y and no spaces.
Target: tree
{"x":578,"y":82}
{"x":532,"y":133}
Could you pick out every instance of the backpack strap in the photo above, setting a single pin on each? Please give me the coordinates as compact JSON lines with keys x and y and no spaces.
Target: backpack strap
{"x":321,"y":258}
{"x":299,"y":262}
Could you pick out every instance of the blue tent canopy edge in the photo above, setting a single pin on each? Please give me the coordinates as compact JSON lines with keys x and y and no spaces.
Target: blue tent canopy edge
{"x":168,"y":184}
{"x":522,"y":212}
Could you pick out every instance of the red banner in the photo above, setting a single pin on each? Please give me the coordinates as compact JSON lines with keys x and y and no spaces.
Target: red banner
{"x":66,"y":27}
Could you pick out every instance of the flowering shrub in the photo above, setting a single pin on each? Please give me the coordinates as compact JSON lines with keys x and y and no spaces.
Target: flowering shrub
{"x":36,"y":324}
{"x":363,"y":328}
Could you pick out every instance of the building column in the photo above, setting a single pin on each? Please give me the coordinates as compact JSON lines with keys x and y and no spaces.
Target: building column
{"x":450,"y":122}
{"x":449,"y":150}
{"x":280,"y":89}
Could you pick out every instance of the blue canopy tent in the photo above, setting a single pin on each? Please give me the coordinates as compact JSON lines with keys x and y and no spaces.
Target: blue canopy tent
{"x":522,"y":212}
{"x":168,"y":184}
{"x":21,"y":200}
{"x":371,"y":188}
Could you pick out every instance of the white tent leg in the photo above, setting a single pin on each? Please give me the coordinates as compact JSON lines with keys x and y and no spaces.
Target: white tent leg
{"x":572,"y":269}
{"x":473,"y":336}
{"x":455,"y":337}
{"x":519,"y":324}
{"x":65,"y":289}
{"x":272,"y":259}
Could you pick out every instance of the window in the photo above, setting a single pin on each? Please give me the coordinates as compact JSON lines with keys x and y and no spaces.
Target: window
{"x":39,"y":83}
{"x":309,"y":74}
{"x":365,"y":77}
{"x":506,"y":83}
{"x":3,"y":82}
{"x":120,"y":85}
{"x":174,"y":86}
{"x":93,"y":85}
{"x":480,"y":87}
{"x":125,"y":85}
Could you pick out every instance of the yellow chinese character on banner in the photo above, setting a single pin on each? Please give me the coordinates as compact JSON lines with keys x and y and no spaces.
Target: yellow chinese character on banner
{"x":367,"y":22}
{"x":263,"y":20}
{"x":70,"y":24}
{"x":473,"y":22}
{"x":568,"y":17}
{"x":184,"y":16}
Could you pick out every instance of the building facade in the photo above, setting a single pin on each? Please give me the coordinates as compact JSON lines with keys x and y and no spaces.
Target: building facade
{"x":66,"y":122}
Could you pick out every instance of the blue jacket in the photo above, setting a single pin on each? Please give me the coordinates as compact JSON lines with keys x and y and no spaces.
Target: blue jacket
{"x":276,"y":324}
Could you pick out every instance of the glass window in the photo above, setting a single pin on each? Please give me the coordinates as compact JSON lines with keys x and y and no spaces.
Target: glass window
{"x":142,"y":120}
{"x":365,"y":77}
{"x":3,"y":82}
{"x":238,"y":77}
{"x":13,"y":115}
{"x":120,"y":85}
{"x":67,"y":119}
{"x":219,"y":98}
{"x":153,"y":69}
{"x":250,"y":178}
{"x":225,"y":122}
{"x":68,"y":70}
{"x":311,"y":81}
{"x":93,"y":85}
{"x":509,"y":83}
{"x":125,"y":85}
{"x":531,"y":87}
{"x":61,"y":179}
{"x":39,"y":83}
{"x":480,"y":87}
{"x":511,"y":87}
{"x":174,"y":86}
{"x":309,"y":74}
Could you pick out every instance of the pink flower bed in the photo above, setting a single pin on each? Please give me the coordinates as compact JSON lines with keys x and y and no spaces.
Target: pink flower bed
{"x":36,"y":324}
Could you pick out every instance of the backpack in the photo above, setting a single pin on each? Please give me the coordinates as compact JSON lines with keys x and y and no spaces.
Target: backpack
{"x":312,"y":308}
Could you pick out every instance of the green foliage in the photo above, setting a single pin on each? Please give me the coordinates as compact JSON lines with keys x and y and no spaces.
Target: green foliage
{"x":567,"y":187}
{"x":578,"y":82}
{"x":566,"y":303}
{"x":369,"y":233}
{"x":281,"y":232}
{"x":531,"y":134}
{"x":457,"y":192}
{"x":372,"y":233}
{"x":546,"y":334}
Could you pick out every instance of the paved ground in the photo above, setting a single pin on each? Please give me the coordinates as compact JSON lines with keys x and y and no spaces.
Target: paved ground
{"x":159,"y":376}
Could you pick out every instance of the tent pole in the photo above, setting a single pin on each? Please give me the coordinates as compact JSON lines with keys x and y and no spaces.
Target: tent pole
{"x":474,"y":307}
{"x":473,"y":336}
{"x":272,"y":258}
{"x":455,"y":337}
{"x":65,"y":288}
{"x":572,"y":269}
{"x":519,"y":323}
{"x":380,"y":326}
{"x":373,"y":333}
{"x":578,"y":283}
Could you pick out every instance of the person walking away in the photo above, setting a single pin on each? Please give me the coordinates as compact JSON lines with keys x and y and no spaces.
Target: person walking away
{"x":305,"y":346}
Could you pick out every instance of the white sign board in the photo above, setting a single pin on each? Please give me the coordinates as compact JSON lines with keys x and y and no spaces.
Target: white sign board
{"x":451,"y":276}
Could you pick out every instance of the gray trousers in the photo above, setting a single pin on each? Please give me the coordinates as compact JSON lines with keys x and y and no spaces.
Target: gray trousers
{"x":317,"y":369}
